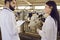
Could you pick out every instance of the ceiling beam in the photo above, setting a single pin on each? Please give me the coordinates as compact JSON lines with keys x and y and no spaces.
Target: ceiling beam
{"x":27,"y":2}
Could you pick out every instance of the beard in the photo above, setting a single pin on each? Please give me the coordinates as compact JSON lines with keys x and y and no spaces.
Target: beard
{"x":12,"y":8}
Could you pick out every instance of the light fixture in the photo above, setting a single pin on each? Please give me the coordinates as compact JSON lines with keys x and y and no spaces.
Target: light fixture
{"x":28,"y":7}
{"x":21,"y":7}
{"x":42,"y":7}
{"x":1,"y":7}
{"x":24,"y":7}
{"x":39,"y":7}
{"x":58,"y":7}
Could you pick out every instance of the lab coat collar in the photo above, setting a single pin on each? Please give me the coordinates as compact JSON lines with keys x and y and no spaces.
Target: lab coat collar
{"x":8,"y":9}
{"x":48,"y":16}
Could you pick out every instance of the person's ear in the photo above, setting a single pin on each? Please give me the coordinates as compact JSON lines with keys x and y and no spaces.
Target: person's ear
{"x":51,"y":7}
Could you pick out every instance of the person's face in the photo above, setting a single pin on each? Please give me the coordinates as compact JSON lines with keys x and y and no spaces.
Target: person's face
{"x":47,"y":9}
{"x":12,"y":5}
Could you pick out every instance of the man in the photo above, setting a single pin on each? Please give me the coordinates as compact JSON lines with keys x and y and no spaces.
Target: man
{"x":8,"y":22}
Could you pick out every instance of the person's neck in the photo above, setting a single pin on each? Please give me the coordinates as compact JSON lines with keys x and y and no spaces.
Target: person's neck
{"x":7,"y":6}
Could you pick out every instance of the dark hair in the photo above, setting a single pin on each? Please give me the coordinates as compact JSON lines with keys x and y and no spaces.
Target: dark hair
{"x":54,"y":12}
{"x":7,"y":1}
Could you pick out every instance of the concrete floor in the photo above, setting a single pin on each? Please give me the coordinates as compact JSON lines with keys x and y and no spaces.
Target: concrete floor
{"x":28,"y":37}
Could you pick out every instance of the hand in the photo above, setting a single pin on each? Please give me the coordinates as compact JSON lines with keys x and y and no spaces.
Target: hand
{"x":38,"y":30}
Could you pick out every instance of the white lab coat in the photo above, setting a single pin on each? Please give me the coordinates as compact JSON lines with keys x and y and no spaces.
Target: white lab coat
{"x":8,"y":25}
{"x":49,"y":29}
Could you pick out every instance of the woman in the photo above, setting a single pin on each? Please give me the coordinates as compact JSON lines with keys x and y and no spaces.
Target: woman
{"x":49,"y":29}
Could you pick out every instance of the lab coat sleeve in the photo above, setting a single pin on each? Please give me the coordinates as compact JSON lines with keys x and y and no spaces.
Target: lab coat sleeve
{"x":40,"y":32}
{"x":11,"y":24}
{"x":46,"y":29}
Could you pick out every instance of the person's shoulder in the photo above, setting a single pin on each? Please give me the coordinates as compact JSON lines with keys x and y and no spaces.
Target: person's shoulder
{"x":50,"y":19}
{"x":3,"y":11}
